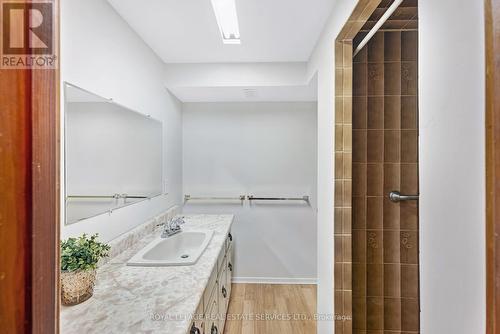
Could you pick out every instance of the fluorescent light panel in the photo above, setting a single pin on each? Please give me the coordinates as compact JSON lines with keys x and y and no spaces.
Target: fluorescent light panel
{"x":227,"y":19}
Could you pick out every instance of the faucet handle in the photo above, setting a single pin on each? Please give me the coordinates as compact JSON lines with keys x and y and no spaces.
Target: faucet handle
{"x":175,"y":223}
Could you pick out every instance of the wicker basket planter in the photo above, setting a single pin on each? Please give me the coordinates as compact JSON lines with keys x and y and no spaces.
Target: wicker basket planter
{"x":77,"y":286}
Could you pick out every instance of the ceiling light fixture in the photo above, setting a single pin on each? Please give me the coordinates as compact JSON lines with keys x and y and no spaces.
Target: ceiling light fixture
{"x":227,"y":19}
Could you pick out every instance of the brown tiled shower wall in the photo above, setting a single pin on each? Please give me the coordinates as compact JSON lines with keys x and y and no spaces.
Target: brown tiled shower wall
{"x":343,"y":187}
{"x":385,"y":158}
{"x":343,"y":165}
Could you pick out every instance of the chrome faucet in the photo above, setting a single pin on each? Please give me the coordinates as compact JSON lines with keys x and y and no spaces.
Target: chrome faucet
{"x":172,"y":227}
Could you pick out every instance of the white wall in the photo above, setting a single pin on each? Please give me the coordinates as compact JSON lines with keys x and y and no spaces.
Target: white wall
{"x":100,"y":53}
{"x":265,"y":149}
{"x":452,"y":170}
{"x":451,"y":78}
{"x":322,"y":64}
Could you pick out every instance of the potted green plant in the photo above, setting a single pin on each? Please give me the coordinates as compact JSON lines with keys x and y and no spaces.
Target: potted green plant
{"x":79,"y":258}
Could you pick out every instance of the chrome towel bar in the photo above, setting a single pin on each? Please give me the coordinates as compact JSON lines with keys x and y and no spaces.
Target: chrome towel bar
{"x":246,"y":197}
{"x":396,"y":196}
{"x":255,"y":198}
{"x":115,"y":196}
{"x":200,"y":198}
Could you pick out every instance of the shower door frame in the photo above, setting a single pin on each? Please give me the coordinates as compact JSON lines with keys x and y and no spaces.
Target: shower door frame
{"x":492,"y":40}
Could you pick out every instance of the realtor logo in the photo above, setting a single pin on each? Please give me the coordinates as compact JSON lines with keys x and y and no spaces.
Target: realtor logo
{"x":27,"y":34}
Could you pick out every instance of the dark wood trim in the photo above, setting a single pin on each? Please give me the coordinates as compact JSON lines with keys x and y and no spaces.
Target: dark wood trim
{"x":15,"y":201}
{"x":45,"y":208}
{"x":45,"y":179}
{"x":29,"y":199}
{"x":492,"y":30}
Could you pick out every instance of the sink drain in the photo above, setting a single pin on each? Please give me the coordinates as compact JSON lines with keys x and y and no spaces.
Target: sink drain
{"x":185,"y":256}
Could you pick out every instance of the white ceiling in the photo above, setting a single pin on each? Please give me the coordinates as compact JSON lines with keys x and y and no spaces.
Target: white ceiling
{"x":186,"y":31}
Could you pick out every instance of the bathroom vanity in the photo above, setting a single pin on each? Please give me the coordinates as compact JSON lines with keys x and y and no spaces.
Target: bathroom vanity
{"x":176,"y":299}
{"x":211,"y":313}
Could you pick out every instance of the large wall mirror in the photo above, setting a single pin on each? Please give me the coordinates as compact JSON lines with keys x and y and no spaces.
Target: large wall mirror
{"x":113,"y":155}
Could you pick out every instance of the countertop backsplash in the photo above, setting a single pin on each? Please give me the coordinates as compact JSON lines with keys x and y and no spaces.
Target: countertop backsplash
{"x":128,"y":239}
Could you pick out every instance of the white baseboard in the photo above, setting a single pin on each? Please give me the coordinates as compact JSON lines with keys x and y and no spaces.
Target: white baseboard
{"x":274,"y":280}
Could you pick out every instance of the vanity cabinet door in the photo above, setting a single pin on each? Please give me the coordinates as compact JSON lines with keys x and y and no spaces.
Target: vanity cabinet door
{"x":212,"y":320}
{"x":217,"y":293}
{"x":198,"y":324}
{"x":223,"y":295}
{"x":197,"y":327}
{"x":229,"y":270}
{"x":212,"y":282}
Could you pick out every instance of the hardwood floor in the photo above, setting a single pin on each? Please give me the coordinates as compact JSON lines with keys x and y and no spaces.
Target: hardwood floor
{"x":271,"y":309}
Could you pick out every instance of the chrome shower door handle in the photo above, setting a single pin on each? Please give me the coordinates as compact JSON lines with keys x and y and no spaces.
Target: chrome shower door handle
{"x":396,"y":196}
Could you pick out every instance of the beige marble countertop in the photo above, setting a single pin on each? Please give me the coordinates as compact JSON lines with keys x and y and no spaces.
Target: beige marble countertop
{"x":148,"y":299}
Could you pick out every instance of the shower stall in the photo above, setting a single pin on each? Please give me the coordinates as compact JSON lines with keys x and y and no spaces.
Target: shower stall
{"x":376,"y":171}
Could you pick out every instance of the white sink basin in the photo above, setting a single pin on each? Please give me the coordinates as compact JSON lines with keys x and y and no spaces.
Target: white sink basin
{"x":182,"y":249}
